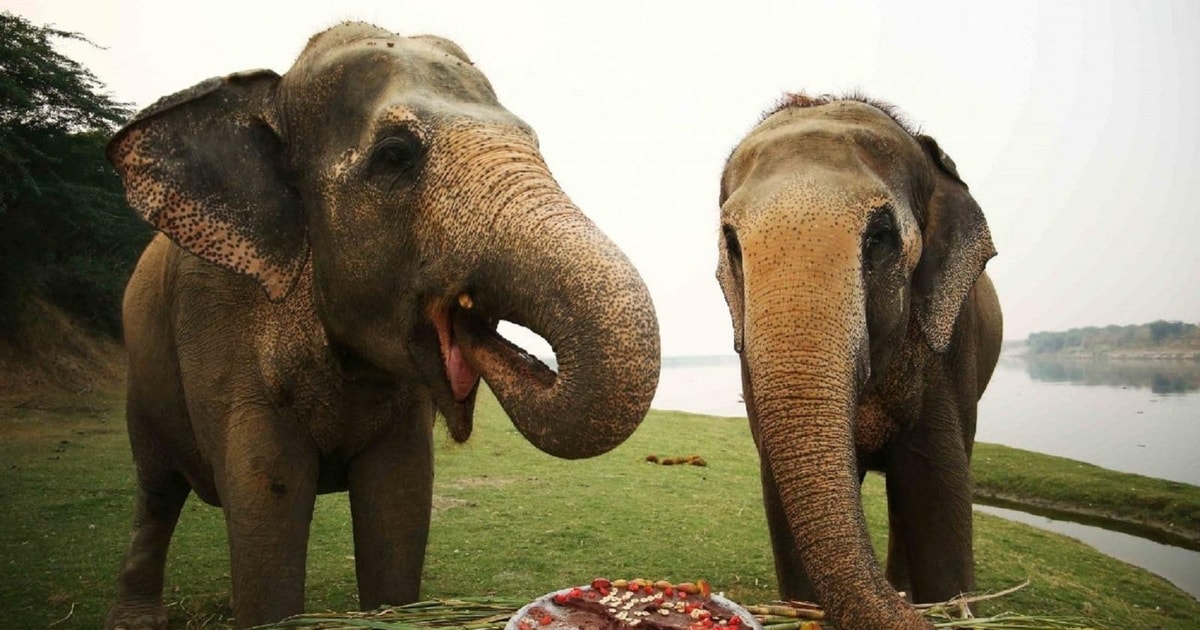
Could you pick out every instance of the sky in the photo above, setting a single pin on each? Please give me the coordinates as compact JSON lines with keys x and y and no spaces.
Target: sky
{"x":1076,"y":124}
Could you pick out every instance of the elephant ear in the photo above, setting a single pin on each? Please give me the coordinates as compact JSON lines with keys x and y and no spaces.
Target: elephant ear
{"x":728,"y":272}
{"x":956,"y":246}
{"x":205,"y":167}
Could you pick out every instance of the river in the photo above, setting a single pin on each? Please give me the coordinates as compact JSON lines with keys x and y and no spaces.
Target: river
{"x":1133,"y":416}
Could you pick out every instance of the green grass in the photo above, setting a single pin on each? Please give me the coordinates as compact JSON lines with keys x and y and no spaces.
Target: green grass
{"x":509,"y":521}
{"x":1067,"y":485}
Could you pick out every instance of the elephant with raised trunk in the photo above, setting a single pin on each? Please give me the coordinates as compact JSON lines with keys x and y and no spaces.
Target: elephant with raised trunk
{"x":851,"y":257}
{"x":337,"y":247}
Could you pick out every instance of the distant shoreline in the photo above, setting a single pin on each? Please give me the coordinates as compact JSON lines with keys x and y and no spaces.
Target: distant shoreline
{"x":1021,"y":349}
{"x":1155,"y":341}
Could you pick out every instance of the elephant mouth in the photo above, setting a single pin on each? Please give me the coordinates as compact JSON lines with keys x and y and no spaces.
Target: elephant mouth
{"x":461,"y":375}
{"x":466,"y":330}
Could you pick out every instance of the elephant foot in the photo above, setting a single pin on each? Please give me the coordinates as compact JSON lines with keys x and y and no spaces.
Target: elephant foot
{"x":136,"y":617}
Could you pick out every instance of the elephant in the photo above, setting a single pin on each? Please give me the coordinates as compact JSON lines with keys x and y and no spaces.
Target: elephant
{"x":851,"y":257}
{"x":336,"y":247}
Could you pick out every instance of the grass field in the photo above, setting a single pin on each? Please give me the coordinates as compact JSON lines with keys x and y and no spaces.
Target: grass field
{"x":508,"y":521}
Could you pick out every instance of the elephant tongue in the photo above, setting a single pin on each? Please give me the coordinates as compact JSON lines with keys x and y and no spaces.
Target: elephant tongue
{"x":462,"y":376}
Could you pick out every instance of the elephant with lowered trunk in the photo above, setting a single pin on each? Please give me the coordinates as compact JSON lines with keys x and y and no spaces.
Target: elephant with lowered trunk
{"x":852,"y":259}
{"x":338,"y":245}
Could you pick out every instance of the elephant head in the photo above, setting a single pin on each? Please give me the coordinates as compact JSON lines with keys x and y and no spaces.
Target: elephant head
{"x":383,"y":172}
{"x":848,"y":244}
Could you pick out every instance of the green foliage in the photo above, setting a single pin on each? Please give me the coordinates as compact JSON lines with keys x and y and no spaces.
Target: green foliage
{"x":1097,"y":340}
{"x":65,"y":231}
{"x":1161,"y":330}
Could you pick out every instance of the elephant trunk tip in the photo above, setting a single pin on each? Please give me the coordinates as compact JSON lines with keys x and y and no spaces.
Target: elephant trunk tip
{"x":582,"y":405}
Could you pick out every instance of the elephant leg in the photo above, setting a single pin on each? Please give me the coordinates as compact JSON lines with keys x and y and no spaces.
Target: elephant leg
{"x":789,"y":572}
{"x":268,"y":488}
{"x":929,"y":512}
{"x":160,"y":497}
{"x":391,"y":497}
{"x":897,"y":555}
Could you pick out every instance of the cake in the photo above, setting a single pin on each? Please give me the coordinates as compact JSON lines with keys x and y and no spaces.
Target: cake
{"x":633,"y":604}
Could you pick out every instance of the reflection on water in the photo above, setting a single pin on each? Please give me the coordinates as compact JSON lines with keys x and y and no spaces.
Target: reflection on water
{"x":1159,"y":376}
{"x":1180,"y":566}
{"x":1133,"y":416}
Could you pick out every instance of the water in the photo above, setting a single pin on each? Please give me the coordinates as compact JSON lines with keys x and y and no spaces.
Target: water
{"x":1180,"y":566}
{"x":1140,"y":417}
{"x":711,"y":385}
{"x":1137,"y":417}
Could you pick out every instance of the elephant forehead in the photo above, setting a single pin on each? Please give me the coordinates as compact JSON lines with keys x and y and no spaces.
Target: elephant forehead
{"x":349,"y":103}
{"x":845,"y":110}
{"x":368,"y":69}
{"x":798,"y":199}
{"x":845,"y":136}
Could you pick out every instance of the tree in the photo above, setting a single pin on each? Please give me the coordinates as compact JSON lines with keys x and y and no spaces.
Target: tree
{"x":65,"y":231}
{"x":1160,"y":330}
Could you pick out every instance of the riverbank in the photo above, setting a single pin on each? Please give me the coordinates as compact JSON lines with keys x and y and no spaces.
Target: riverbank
{"x":1165,"y":511}
{"x":1109,"y":354}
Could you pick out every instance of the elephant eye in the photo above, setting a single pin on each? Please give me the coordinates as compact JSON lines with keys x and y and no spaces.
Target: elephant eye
{"x":732,"y":246}
{"x":396,"y":155}
{"x":881,"y":238}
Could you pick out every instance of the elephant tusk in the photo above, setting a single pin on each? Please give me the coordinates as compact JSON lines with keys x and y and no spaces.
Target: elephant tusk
{"x":465,"y":301}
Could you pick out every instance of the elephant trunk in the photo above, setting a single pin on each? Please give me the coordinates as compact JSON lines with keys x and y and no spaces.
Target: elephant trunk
{"x":543,"y":265}
{"x":806,"y":353}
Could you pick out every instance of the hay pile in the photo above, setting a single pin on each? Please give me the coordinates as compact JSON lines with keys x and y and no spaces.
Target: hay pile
{"x":468,"y":613}
{"x":492,"y":613}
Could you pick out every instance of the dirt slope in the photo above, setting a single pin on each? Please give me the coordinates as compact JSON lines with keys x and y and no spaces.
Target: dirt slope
{"x":54,"y":355}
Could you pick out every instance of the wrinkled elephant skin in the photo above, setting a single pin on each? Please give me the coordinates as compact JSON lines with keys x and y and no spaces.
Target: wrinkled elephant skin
{"x":337,"y":247}
{"x":851,"y":256}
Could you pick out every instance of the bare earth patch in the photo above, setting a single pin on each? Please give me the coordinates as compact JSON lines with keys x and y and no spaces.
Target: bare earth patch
{"x":442,"y":503}
{"x":467,"y":483}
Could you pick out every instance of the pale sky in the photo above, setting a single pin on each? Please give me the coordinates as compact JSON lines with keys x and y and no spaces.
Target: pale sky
{"x":1074,"y":123}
